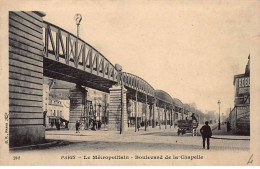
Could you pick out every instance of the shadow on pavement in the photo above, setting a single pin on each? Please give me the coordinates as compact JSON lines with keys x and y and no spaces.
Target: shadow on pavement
{"x":167,"y":134}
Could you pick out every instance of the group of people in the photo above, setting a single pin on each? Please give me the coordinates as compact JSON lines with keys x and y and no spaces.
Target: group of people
{"x":95,"y":125}
{"x":141,"y":125}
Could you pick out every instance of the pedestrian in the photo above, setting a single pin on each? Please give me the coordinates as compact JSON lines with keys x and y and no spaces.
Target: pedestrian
{"x":94,"y":125}
{"x":58,"y":125}
{"x":77,"y":126}
{"x":142,"y":124}
{"x":138,"y":126}
{"x":206,"y":133}
{"x":228,"y":126}
{"x":99,"y":124}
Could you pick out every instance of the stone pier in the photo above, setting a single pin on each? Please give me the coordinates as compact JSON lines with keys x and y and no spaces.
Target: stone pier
{"x":114,"y":117}
{"x":78,"y":97}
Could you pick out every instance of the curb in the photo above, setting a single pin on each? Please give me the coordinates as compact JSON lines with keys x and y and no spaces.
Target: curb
{"x":229,"y":138}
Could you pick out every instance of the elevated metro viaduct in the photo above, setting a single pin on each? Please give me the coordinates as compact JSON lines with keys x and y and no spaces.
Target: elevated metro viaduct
{"x":37,"y":49}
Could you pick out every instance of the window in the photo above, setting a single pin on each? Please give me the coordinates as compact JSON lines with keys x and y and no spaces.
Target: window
{"x":54,"y":114}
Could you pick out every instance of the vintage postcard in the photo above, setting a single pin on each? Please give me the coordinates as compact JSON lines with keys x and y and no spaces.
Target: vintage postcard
{"x":123,"y":83}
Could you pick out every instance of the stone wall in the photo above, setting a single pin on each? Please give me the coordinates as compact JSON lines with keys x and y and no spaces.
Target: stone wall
{"x":25,"y":79}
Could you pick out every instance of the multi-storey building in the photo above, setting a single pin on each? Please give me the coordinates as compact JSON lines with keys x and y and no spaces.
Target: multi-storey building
{"x":239,"y":117}
{"x":55,"y":112}
{"x":55,"y":104}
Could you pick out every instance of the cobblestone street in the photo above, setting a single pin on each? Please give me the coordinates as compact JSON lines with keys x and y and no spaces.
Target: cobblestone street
{"x":152,"y":139}
{"x":71,"y":148}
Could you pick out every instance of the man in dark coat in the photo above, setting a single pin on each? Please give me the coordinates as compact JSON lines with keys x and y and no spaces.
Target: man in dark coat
{"x":77,"y":126}
{"x":99,"y":124}
{"x":138,"y":126}
{"x":206,"y":133}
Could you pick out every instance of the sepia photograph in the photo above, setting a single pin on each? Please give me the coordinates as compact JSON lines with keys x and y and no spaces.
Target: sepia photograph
{"x":125,"y":83}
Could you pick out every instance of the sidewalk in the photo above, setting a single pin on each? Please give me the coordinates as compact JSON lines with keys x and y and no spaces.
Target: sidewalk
{"x":231,"y":137}
{"x":222,"y":131}
{"x":223,"y":134}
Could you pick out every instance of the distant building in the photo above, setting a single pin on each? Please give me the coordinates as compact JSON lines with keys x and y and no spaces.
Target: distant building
{"x":55,"y":112}
{"x":239,"y":117}
{"x":140,"y":114}
{"x":55,"y":104}
{"x":98,"y":106}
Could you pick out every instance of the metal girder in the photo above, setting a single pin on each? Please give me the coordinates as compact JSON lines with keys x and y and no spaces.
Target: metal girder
{"x":64,"y":47}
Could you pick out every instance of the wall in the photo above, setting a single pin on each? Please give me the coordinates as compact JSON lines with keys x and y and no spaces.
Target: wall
{"x":25,"y":79}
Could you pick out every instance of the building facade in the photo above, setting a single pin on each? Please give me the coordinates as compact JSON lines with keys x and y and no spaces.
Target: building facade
{"x":239,"y":117}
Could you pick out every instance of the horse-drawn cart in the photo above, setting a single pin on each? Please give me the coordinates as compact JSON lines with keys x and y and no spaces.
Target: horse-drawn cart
{"x":187,"y":126}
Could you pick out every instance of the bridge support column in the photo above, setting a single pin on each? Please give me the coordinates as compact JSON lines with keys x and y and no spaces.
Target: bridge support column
{"x":78,"y":97}
{"x":114,"y":117}
{"x":136,"y":122}
{"x":182,"y":114}
{"x":159,"y":117}
{"x":145,"y":120}
{"x":150,"y":115}
{"x":170,"y":117}
{"x":153,"y":121}
{"x":165,"y":118}
{"x":174,"y":116}
{"x":26,"y":124}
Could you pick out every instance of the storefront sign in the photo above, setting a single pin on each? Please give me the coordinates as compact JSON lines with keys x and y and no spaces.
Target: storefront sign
{"x":243,"y":90}
{"x":243,"y":86}
{"x":244,"y":82}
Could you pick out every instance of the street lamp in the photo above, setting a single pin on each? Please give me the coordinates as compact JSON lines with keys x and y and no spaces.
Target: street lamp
{"x":219,"y":115}
{"x":78,"y":19}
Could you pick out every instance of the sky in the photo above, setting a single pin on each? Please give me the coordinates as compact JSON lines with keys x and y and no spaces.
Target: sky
{"x":190,"y":49}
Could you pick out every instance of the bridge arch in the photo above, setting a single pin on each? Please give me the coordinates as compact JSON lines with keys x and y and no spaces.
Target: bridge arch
{"x":164,"y":99}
